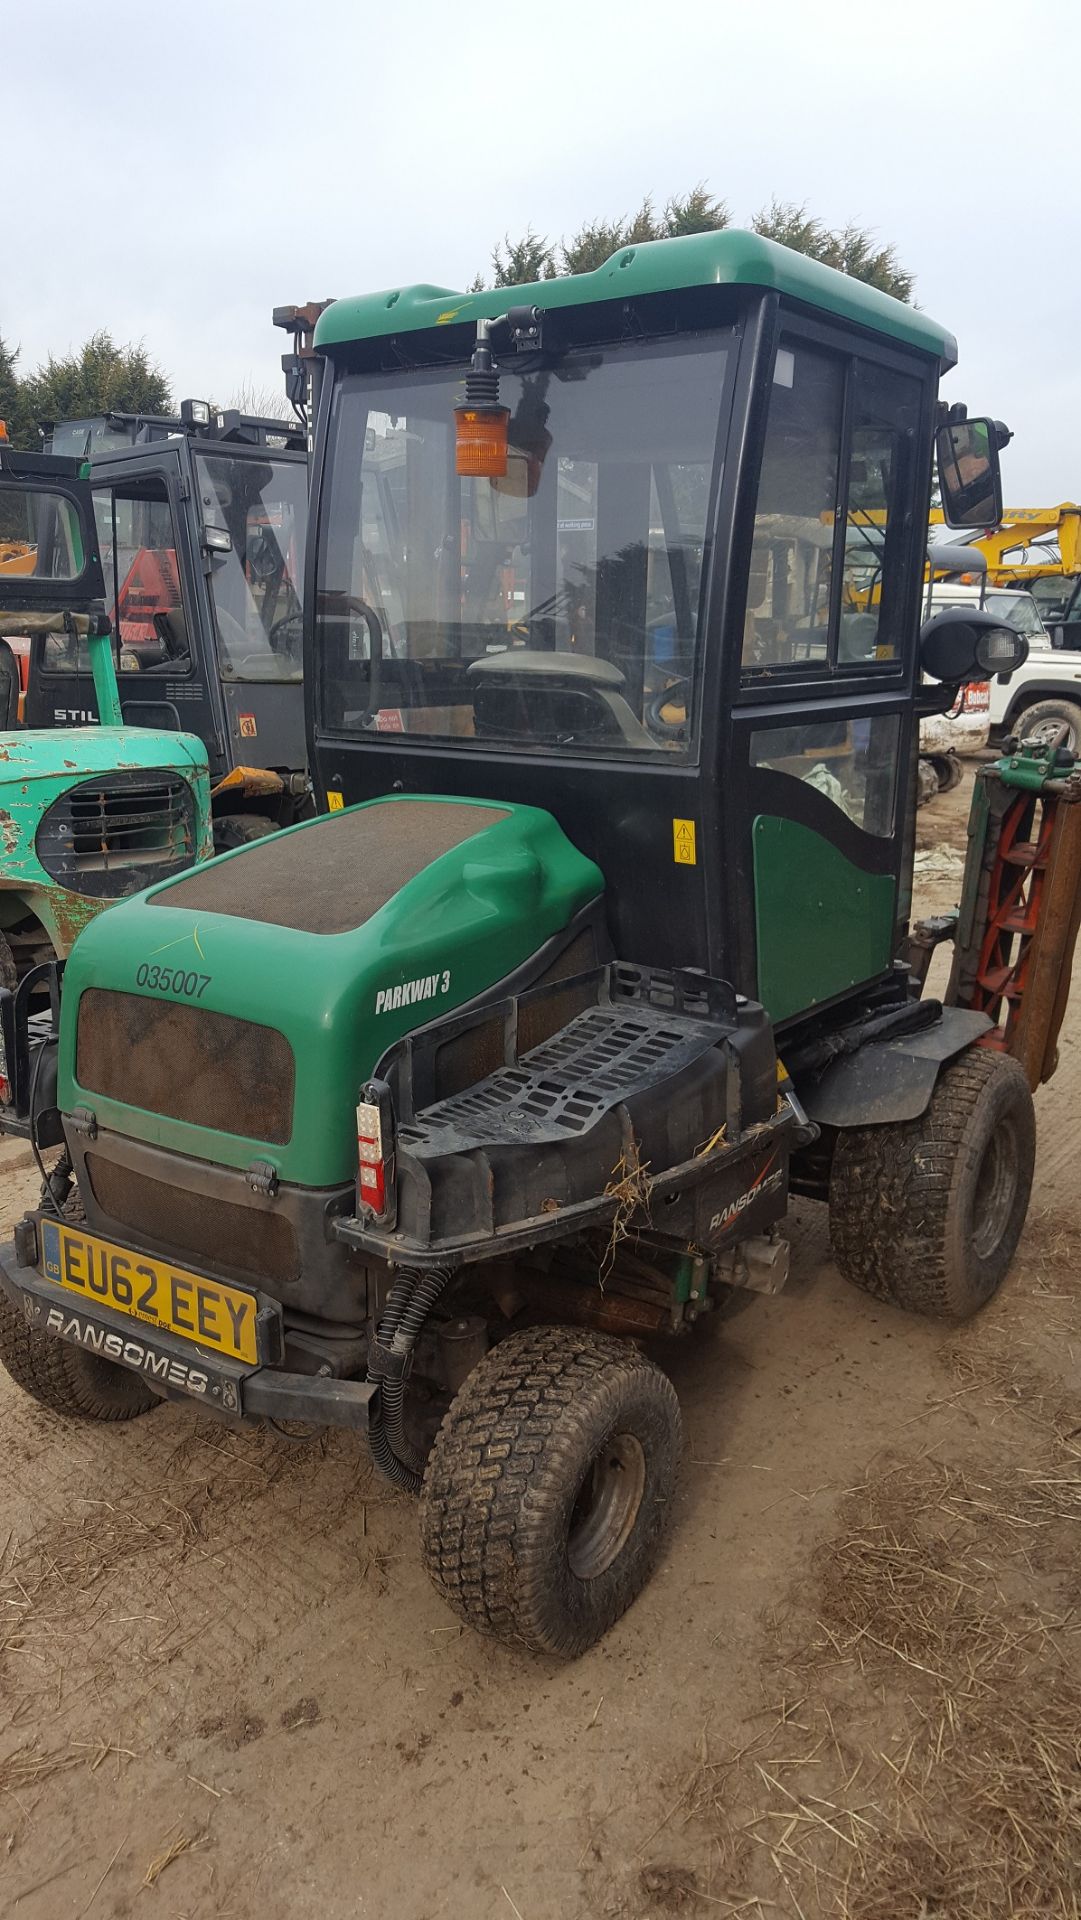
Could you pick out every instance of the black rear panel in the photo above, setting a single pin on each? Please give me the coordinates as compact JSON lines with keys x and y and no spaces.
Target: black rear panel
{"x":332,"y":876}
{"x":208,"y":1231}
{"x":208,"y":1069}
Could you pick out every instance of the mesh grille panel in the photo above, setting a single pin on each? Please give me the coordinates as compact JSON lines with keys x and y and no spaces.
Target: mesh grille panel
{"x":110,"y":836}
{"x":205,"y":1068}
{"x":333,"y":875}
{"x":213,"y":1232}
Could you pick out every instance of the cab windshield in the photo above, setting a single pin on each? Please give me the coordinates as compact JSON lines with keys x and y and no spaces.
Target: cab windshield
{"x":1019,"y":609}
{"x":254,"y":515}
{"x":557,"y":606}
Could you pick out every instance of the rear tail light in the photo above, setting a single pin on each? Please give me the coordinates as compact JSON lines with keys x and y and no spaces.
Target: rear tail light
{"x":375,"y":1151}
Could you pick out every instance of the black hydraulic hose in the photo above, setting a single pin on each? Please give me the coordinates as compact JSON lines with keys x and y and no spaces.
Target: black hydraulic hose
{"x":411,"y":1298}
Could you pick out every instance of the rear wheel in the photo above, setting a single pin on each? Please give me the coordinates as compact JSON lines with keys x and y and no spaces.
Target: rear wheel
{"x":67,"y":1379}
{"x":239,"y":829}
{"x":549,"y":1488}
{"x":927,"y":1213}
{"x":1044,"y":722}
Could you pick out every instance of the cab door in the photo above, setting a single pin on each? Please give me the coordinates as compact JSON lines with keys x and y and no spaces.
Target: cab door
{"x":50,"y":575}
{"x":823,"y":735}
{"x":157,"y":593}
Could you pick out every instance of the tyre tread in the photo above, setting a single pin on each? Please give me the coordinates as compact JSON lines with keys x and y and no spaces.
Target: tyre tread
{"x":892,"y":1186}
{"x":506,"y":1442}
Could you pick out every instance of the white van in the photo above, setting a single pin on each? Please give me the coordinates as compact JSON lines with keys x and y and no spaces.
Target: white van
{"x":1042,"y":697}
{"x":967,"y":727}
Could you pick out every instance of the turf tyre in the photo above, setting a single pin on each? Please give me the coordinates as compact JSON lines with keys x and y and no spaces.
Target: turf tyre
{"x":516,"y":1536}
{"x":68,"y":1380}
{"x":927,"y":1213}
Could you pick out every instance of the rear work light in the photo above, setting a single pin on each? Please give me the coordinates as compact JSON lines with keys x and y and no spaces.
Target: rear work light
{"x":375,"y":1151}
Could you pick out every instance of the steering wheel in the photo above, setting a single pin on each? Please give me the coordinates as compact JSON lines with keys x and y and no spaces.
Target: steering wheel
{"x":678,"y":690}
{"x":288,"y":632}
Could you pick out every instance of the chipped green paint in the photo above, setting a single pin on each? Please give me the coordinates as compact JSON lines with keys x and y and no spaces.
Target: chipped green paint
{"x":37,"y":768}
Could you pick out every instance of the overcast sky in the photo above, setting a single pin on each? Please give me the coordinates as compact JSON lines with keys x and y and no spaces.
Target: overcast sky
{"x":176,"y":168}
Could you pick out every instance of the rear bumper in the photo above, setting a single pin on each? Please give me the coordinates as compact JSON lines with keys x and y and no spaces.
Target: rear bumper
{"x":176,"y":1368}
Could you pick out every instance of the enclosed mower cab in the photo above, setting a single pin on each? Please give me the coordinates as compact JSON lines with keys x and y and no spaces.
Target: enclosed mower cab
{"x":614,"y":674}
{"x":201,"y":520}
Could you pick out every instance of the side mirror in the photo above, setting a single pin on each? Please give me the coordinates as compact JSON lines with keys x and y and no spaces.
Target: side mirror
{"x":966,"y":453}
{"x":962,"y":644}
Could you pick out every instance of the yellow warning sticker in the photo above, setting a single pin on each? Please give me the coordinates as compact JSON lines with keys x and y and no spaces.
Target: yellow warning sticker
{"x":683,"y":847}
{"x":334,"y":801}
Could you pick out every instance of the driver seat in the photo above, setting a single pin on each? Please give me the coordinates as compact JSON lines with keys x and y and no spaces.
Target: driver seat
{"x":525,"y":681}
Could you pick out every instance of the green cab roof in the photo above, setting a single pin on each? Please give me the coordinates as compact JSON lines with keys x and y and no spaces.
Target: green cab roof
{"x":731,"y":258}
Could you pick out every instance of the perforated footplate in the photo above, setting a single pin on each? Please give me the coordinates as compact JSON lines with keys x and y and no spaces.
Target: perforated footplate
{"x":618,"y":1065}
{"x":564,"y":1087}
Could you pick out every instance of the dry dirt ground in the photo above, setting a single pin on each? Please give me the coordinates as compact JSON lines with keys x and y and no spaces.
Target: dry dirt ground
{"x":853,"y":1688}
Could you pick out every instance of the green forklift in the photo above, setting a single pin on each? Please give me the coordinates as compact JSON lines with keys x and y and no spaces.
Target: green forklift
{"x":437,"y":1116}
{"x":88,"y":815}
{"x":201,"y":519}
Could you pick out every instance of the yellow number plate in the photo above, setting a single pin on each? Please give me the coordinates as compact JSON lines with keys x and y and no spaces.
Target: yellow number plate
{"x":207,"y":1312}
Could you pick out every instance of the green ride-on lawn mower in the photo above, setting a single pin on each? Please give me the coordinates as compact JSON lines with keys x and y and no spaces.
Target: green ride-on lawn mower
{"x":88,"y":814}
{"x":425,"y":1117}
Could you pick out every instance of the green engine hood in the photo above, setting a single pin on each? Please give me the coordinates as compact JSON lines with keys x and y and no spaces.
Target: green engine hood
{"x":37,"y":769}
{"x":340,"y":935}
{"x":70,"y":753}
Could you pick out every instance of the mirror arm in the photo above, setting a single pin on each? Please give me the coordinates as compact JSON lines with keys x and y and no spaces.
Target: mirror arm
{"x":936,"y":696}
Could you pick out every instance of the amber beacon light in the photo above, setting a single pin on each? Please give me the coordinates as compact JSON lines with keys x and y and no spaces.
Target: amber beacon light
{"x":480,"y":423}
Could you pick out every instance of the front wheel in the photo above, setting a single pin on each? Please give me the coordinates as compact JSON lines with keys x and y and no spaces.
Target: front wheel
{"x":927,"y":1213}
{"x":240,"y":829}
{"x":550,"y":1486}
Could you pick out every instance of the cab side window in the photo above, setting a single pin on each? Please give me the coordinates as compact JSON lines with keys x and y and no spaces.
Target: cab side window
{"x":827,"y":585}
{"x":885,"y":418}
{"x":142,"y":577}
{"x":789,"y":592}
{"x":851,"y":762}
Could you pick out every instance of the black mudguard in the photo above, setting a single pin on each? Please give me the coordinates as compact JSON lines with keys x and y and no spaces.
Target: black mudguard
{"x":891,"y":1079}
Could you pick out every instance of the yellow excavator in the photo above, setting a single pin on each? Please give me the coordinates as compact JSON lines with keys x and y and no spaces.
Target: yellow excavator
{"x":1038,"y":549}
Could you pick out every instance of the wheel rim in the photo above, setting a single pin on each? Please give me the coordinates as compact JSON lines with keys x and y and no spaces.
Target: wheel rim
{"x":607,"y":1506}
{"x":996,"y":1190}
{"x":1048,"y":730}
